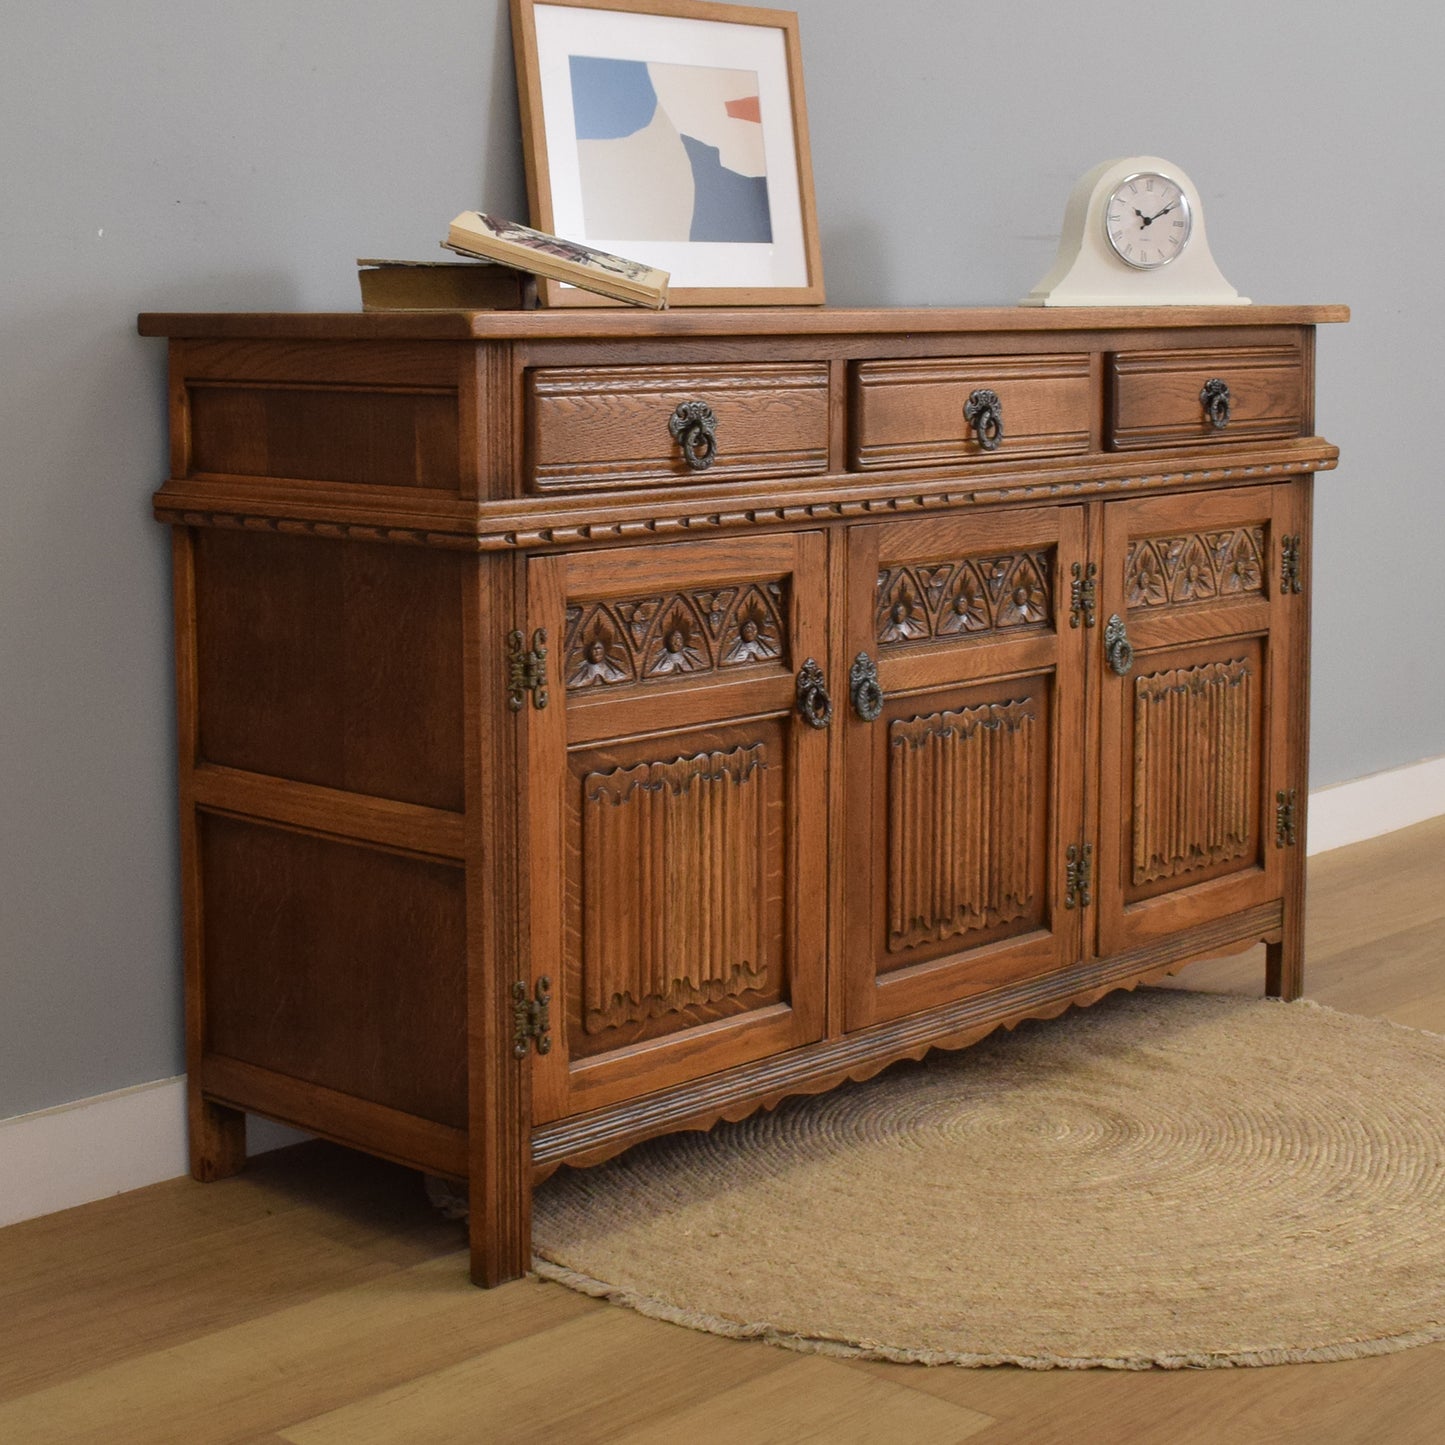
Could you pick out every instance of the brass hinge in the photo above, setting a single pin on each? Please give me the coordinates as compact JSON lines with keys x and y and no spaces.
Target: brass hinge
{"x":527,"y":669}
{"x":532,"y":1018}
{"x":1289,"y":570}
{"x":1079,"y":876}
{"x":1284,"y":818}
{"x":1082,"y":594}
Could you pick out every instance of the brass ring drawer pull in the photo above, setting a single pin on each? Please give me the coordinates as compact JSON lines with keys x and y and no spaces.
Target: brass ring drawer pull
{"x":694,"y":428}
{"x":1214,"y":398}
{"x":983,"y":411}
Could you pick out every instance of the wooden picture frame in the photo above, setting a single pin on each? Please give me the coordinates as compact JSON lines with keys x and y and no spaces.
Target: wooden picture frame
{"x":606,"y":87}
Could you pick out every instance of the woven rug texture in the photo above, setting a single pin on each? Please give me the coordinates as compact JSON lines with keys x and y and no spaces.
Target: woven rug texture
{"x":1166,"y":1179}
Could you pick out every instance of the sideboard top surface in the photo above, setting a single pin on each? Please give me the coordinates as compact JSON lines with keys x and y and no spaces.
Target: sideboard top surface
{"x":619,"y":323}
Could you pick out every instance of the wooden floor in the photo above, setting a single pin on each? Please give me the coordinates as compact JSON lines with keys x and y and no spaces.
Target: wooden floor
{"x":319,"y":1300}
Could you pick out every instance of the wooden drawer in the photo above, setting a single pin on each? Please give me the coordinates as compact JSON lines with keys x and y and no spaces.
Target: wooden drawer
{"x":599,"y":426}
{"x":1155,"y":397}
{"x":912,"y":413}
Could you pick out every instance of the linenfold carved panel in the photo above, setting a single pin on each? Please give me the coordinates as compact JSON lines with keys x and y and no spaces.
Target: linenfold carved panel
{"x":1175,"y":571}
{"x":961,"y":804}
{"x":673,"y":885}
{"x":1192,"y":775}
{"x":670,"y":634}
{"x":964,"y":597}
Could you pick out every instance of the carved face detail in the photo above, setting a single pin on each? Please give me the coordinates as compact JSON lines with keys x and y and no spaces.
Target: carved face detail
{"x":901,"y":614}
{"x":1025,"y":598}
{"x":756,"y":636}
{"x":1239,"y":565}
{"x":596,"y":654}
{"x":680,"y":645}
{"x":1195,"y":578}
{"x":965,"y":609}
{"x":1144,"y":579}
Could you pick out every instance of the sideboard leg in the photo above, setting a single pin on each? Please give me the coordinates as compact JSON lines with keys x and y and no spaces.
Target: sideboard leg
{"x":1284,"y":961}
{"x":501,"y":1241}
{"x":217,"y":1139}
{"x":1284,"y":967}
{"x":500,"y":1222}
{"x":499,"y":1114}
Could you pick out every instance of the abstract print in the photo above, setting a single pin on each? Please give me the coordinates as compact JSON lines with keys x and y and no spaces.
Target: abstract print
{"x":670,"y":152}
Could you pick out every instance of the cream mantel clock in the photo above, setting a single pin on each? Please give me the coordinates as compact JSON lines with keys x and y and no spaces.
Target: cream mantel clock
{"x":1134,"y":236}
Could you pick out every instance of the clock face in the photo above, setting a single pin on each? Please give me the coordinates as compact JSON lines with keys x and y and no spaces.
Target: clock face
{"x":1147,"y":220}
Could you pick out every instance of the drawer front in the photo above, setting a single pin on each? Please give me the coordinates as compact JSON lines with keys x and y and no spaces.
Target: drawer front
{"x":916,"y":413}
{"x":596,"y":426}
{"x":1159,"y":399}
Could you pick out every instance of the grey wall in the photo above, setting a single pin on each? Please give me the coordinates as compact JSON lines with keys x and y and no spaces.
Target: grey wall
{"x":163,"y":155}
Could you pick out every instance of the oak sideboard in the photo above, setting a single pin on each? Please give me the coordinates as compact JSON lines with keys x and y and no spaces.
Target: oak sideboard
{"x":595,"y":723}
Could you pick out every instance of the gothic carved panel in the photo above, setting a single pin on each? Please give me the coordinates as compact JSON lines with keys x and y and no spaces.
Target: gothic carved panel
{"x":1192,"y":776}
{"x":673,"y":634}
{"x":962,"y":598}
{"x":1201,"y":567}
{"x":961,"y":803}
{"x":673,"y":885}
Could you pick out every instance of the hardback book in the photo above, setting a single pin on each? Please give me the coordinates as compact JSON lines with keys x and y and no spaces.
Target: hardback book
{"x":444,"y":286}
{"x":474,"y":234}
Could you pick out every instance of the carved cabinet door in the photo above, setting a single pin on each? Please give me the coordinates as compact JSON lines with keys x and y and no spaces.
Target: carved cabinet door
{"x":1199,"y":608}
{"x":965,"y":767}
{"x":677,"y":812}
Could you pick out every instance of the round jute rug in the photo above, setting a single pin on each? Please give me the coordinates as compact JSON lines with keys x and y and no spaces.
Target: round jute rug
{"x":1166,"y":1179}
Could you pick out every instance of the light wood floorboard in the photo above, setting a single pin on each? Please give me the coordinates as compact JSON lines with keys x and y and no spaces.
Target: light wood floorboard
{"x":318,"y":1300}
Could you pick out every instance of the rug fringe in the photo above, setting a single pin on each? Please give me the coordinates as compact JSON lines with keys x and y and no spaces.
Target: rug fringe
{"x":1385,"y":1023}
{"x":851,"y":1350}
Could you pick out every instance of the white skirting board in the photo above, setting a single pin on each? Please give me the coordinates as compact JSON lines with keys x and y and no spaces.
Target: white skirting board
{"x":74,"y":1153}
{"x":70,"y":1155}
{"x":1380,"y":803}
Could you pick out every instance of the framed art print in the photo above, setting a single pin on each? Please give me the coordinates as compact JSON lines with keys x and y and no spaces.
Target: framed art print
{"x":674,"y":133}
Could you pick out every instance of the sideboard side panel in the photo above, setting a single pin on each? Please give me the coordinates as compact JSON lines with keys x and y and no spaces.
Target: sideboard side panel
{"x":331,"y":663}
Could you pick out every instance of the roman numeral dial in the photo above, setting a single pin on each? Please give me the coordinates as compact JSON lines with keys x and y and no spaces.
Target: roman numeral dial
{"x":1147,"y":220}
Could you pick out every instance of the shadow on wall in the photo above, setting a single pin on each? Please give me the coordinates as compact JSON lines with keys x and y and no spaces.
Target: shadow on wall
{"x":858,"y":251}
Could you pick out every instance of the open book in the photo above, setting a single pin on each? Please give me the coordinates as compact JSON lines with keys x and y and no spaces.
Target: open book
{"x":473,"y":234}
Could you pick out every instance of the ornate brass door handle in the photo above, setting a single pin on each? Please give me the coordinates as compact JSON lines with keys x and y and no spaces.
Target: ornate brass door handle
{"x":1118,"y":650}
{"x":814,"y":704}
{"x":864,"y":689}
